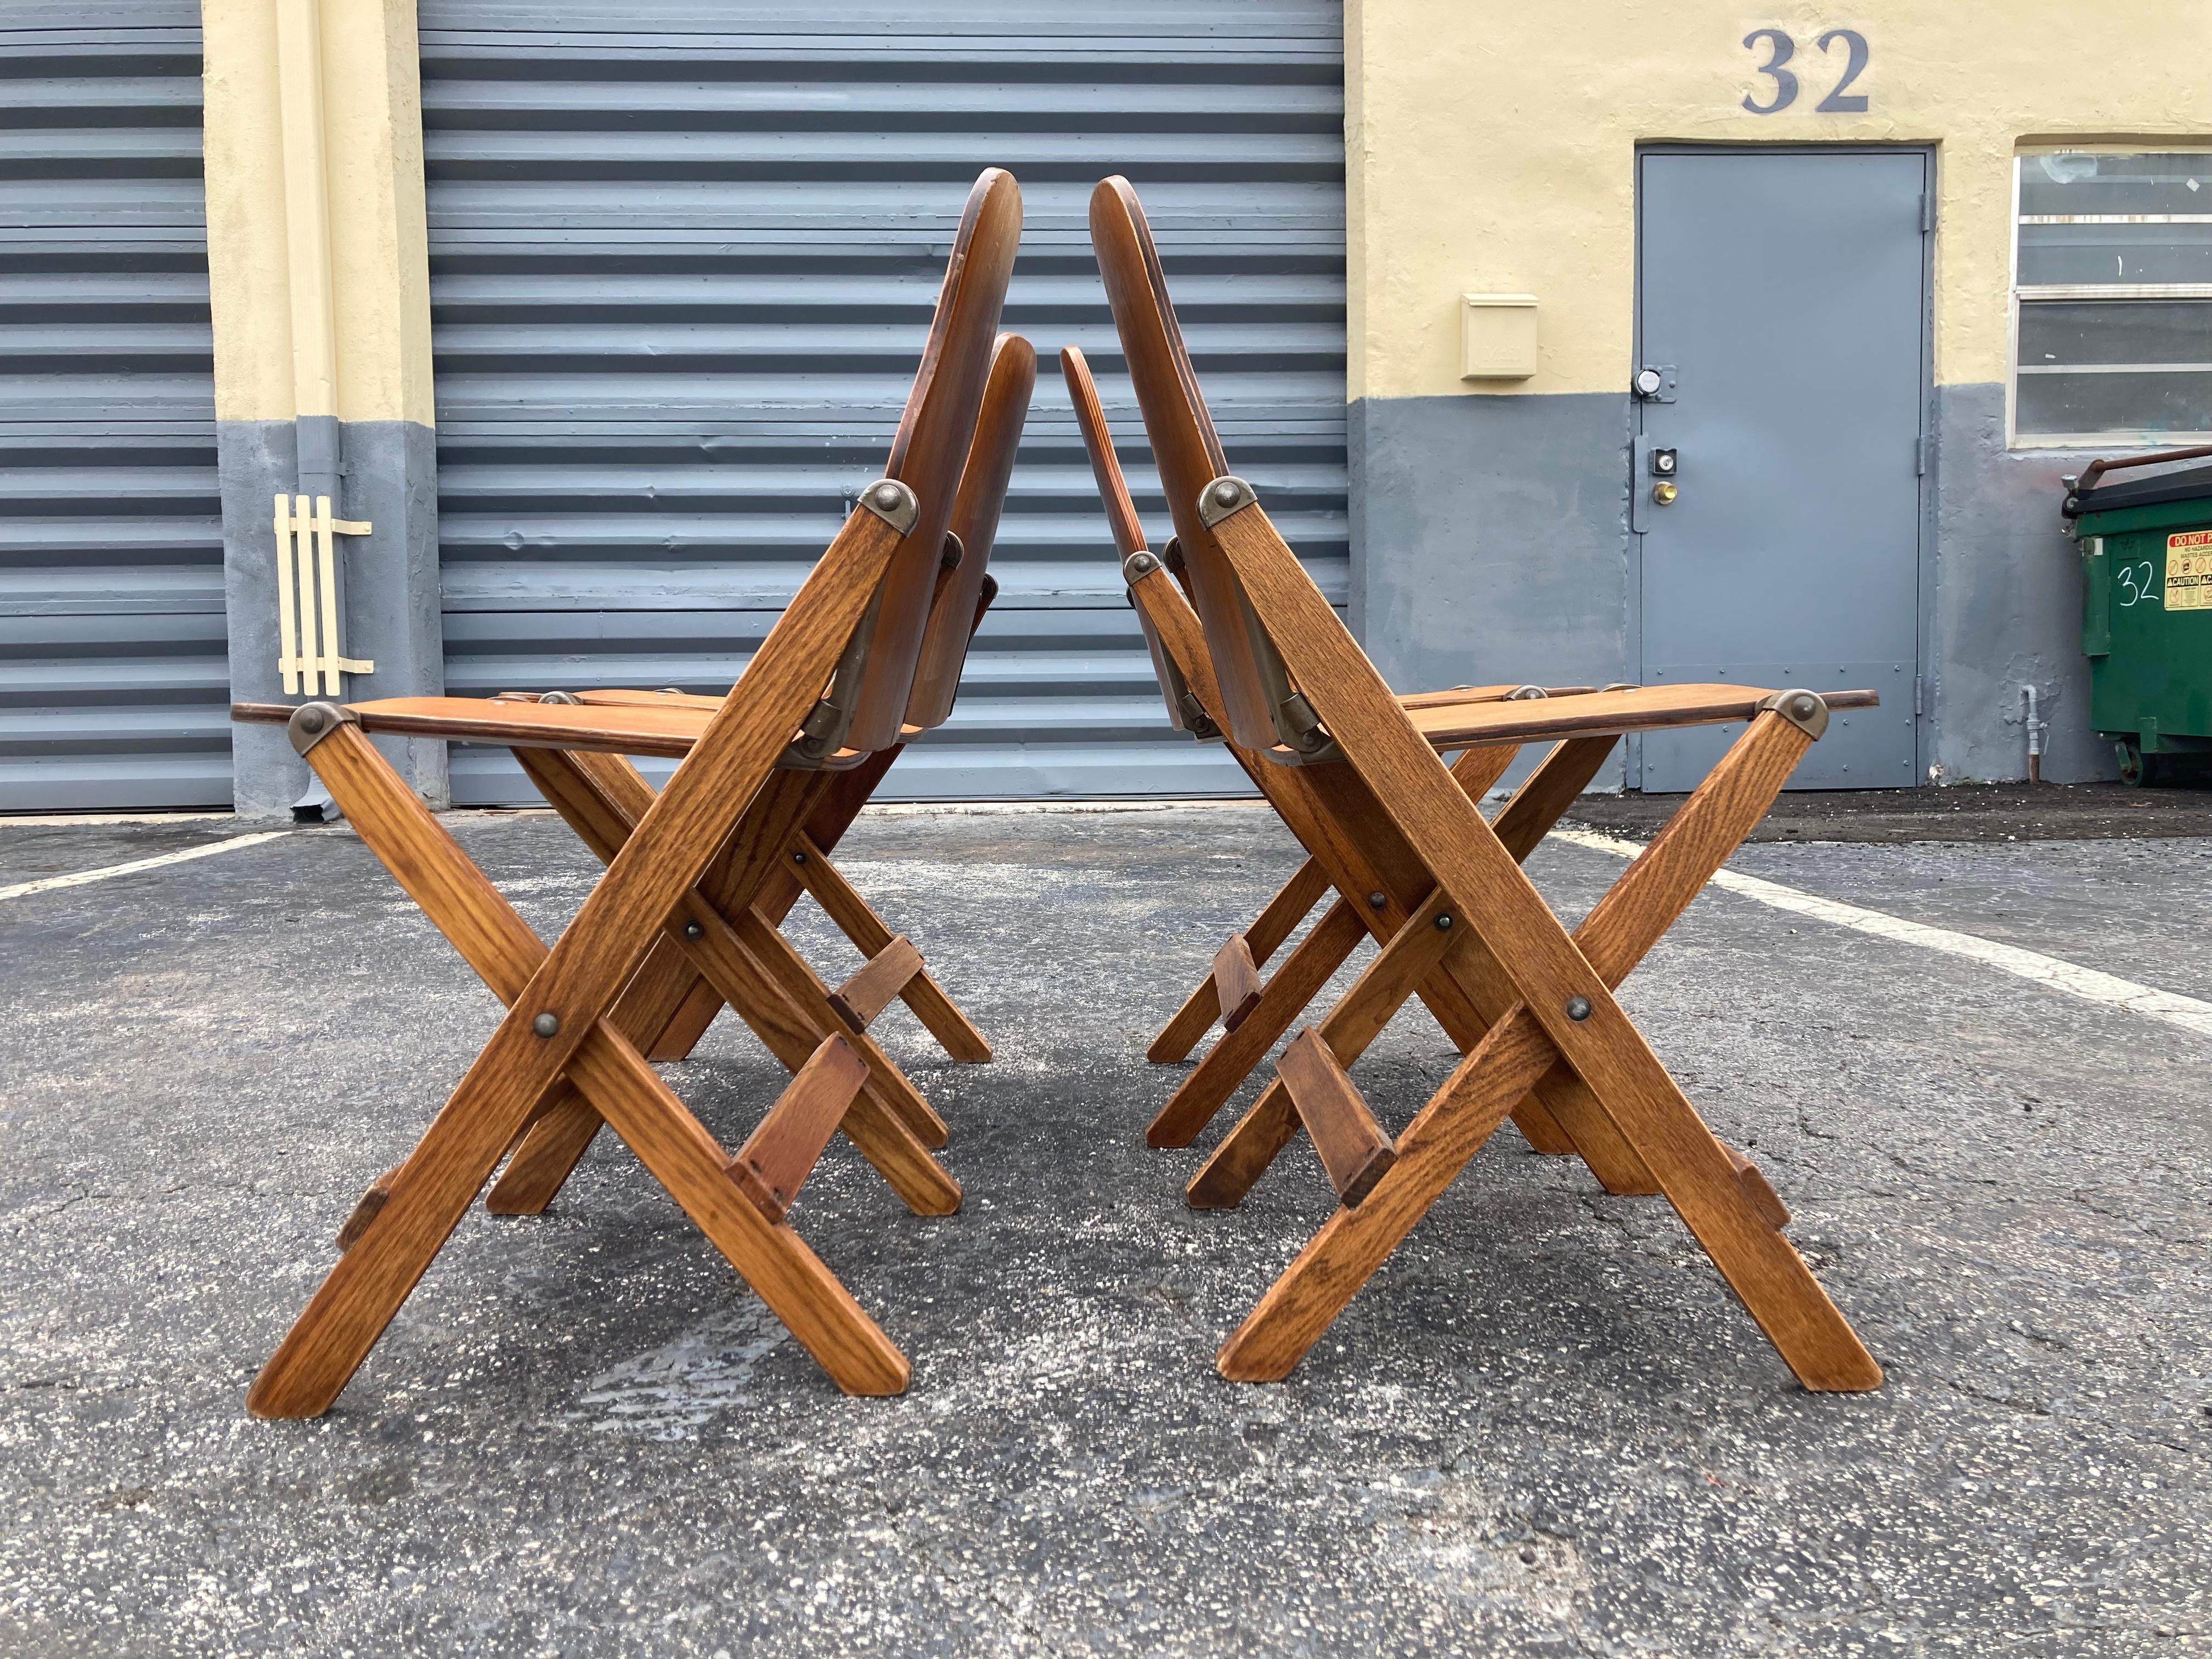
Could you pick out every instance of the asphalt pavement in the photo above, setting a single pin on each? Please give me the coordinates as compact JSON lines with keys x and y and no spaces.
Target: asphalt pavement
{"x":1546,"y":1426}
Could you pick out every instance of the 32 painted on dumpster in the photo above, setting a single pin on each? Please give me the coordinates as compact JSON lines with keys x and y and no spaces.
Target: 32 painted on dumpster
{"x":2189,"y":570}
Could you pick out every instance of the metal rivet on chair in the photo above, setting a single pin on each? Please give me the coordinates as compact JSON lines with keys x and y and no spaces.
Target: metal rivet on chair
{"x":1803,"y":706}
{"x":546,"y":1024}
{"x":1375,"y":900}
{"x":693,"y":930}
{"x":1224,"y":492}
{"x":887,"y":495}
{"x":1443,"y":924}
{"x":1578,"y":1008}
{"x":798,"y":858}
{"x":312,"y":720}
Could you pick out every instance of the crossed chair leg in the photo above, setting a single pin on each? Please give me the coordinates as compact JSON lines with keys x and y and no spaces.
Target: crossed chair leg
{"x":1354,"y":852}
{"x":1413,"y":927}
{"x":1723,"y":1200}
{"x":841,"y":1081}
{"x":599,"y":795}
{"x":1445,"y":965}
{"x":808,"y":869}
{"x":1552,"y":993}
{"x":748,"y":964}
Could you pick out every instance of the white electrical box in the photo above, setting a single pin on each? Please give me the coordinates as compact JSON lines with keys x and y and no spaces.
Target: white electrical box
{"x":1497,"y":337}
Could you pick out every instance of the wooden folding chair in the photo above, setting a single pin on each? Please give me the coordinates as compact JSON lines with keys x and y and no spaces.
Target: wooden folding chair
{"x":831,"y":685}
{"x":1295,"y":690}
{"x":1254,"y":1014}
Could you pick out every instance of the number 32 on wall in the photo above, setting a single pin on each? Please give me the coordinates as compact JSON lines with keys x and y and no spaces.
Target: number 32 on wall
{"x":1780,"y":49}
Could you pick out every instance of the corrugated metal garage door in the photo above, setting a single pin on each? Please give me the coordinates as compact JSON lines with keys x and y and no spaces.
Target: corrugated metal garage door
{"x":680,"y":272}
{"x":113,"y":670}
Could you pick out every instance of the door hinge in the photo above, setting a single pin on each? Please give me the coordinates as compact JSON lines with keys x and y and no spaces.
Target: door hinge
{"x":1927,"y":209}
{"x":1919,"y":704}
{"x":1920,"y":456}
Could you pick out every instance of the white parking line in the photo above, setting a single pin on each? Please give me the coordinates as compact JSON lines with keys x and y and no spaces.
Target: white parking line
{"x":2049,"y":971}
{"x":85,"y":877}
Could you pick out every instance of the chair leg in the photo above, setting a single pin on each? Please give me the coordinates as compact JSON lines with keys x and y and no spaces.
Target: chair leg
{"x":835,"y":802}
{"x":579,"y":786}
{"x":549,"y":1155}
{"x":1477,"y":769}
{"x":799,"y":1290}
{"x":1522,"y":826}
{"x":1284,"y":996}
{"x":701,"y":1008}
{"x":1253,"y":1144}
{"x":792,"y":1034}
{"x":871,"y":935}
{"x":753,"y":967}
{"x":562,"y":1131}
{"x":559,"y":1135}
{"x":888,"y":1084}
{"x":1306,"y":888}
{"x":428,"y":1194}
{"x":1694,"y":1171}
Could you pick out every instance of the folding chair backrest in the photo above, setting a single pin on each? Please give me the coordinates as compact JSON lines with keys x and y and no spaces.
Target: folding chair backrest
{"x":1259,"y":709}
{"x":1184,"y":711}
{"x":931,"y":449}
{"x":975,"y":510}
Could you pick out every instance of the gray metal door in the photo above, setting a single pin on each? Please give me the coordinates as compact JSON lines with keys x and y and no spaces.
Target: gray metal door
{"x":682,"y":256}
{"x":114,"y":675}
{"x":1782,"y":296}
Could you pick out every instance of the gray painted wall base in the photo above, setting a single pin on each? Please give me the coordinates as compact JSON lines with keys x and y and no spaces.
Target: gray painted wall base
{"x":1490,"y":541}
{"x":2007,"y":607}
{"x":390,"y":581}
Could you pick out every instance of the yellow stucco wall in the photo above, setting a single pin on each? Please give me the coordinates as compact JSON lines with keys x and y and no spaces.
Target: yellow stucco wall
{"x":372,"y":175}
{"x":1490,"y":147}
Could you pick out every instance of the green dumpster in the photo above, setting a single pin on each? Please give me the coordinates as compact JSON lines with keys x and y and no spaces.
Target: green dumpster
{"x":2146,"y":546}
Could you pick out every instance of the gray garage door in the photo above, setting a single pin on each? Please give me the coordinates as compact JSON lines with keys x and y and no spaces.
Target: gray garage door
{"x":683,"y":254}
{"x":113,"y":666}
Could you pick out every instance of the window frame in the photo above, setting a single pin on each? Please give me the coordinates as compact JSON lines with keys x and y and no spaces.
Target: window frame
{"x":2131,"y":438}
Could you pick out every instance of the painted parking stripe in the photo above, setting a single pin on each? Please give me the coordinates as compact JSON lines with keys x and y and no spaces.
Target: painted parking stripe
{"x":85,"y":877}
{"x":2075,"y":979}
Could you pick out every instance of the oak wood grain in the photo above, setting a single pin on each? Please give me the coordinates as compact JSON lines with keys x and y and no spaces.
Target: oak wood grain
{"x":881,"y":978}
{"x":1284,"y":996}
{"x":1353,"y":1149}
{"x":782,"y":1152}
{"x":1235,"y":983}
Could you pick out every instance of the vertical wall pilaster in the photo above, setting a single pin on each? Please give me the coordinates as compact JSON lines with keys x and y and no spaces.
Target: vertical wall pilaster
{"x":319,"y":270}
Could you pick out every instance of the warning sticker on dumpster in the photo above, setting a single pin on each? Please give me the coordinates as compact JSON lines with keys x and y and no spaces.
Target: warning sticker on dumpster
{"x":2189,"y":571}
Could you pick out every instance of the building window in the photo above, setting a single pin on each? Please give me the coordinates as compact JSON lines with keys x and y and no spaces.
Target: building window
{"x":2112,"y":298}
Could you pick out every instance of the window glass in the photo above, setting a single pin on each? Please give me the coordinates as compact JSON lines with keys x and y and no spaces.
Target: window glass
{"x":2063,"y":331}
{"x":2113,"y":285}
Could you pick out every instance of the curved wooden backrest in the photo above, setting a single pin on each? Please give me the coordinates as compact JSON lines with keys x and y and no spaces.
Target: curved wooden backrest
{"x":1122,"y":518}
{"x":975,"y":510}
{"x":1188,"y":452}
{"x":932,"y":447}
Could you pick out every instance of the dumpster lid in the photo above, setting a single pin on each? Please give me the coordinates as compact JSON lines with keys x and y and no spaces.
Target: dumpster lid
{"x":2185,"y":485}
{"x":2097,"y":492}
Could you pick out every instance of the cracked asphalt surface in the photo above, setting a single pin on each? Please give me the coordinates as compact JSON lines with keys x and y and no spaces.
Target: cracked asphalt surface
{"x":1544,"y":1427}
